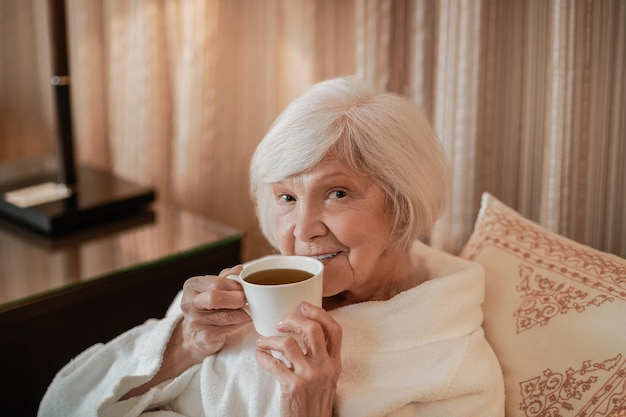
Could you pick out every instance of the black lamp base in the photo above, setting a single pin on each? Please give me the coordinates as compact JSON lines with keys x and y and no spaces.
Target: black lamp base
{"x":97,"y":198}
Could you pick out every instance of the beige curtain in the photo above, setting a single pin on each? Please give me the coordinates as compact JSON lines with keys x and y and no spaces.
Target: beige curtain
{"x":26,"y":118}
{"x":184,"y":90}
{"x":528,"y":97}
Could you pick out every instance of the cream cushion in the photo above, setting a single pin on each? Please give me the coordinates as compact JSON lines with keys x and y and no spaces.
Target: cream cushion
{"x":555,"y":314}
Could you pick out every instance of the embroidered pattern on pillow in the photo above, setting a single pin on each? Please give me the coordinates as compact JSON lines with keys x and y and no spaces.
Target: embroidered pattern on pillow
{"x":543,"y":299}
{"x":550,"y":393}
{"x":548,"y":283}
{"x":533,"y":244}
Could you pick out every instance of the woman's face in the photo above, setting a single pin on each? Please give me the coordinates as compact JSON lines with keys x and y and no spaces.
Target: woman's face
{"x":338,"y":216}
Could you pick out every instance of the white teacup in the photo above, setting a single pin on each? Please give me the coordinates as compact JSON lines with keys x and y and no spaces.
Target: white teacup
{"x":272,"y":297}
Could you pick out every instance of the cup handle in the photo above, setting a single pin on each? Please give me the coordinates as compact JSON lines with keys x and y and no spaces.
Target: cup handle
{"x":238,"y":279}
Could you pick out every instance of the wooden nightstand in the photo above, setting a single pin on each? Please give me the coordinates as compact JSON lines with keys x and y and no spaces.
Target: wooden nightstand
{"x":58,"y":297}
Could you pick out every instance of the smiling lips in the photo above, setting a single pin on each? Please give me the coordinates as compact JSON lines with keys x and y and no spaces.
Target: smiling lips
{"x":325,"y":256}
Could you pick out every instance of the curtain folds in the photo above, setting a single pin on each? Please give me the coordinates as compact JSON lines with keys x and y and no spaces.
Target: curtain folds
{"x":456,"y":110}
{"x":528,"y":97}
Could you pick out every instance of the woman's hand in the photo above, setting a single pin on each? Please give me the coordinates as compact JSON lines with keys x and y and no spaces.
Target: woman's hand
{"x":211,"y":311}
{"x":308,"y":387}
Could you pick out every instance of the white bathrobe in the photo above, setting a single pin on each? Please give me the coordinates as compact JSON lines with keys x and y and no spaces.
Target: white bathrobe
{"x":422,"y":353}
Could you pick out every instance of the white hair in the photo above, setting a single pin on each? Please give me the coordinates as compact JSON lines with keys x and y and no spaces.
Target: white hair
{"x":383,"y":135}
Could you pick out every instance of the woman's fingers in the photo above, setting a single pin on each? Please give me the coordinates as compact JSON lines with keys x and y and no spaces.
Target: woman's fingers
{"x":319,"y":332}
{"x":309,"y":384}
{"x":211,"y":308}
{"x":218,"y":298}
{"x":332,"y":330}
{"x":277,"y":367}
{"x":314,"y":341}
{"x":236,"y":270}
{"x":287,"y":346}
{"x":212,"y":293}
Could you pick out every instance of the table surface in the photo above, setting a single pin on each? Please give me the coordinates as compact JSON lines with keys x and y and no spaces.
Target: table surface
{"x":32,"y":265}
{"x":60,"y":296}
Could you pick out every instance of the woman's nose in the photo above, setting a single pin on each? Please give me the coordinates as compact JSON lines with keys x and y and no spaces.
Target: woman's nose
{"x":309,"y":223}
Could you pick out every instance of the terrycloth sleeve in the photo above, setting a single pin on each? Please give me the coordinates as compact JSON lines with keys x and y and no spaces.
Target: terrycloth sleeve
{"x":93,"y":382}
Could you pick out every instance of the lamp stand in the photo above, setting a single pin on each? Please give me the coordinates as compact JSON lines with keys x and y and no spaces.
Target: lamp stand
{"x":55,"y":203}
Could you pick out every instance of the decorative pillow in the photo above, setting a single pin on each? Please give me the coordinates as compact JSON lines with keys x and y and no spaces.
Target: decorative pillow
{"x":555,"y":314}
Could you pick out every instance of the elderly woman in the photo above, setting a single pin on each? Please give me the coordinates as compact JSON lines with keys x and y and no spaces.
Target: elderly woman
{"x":355,"y":179}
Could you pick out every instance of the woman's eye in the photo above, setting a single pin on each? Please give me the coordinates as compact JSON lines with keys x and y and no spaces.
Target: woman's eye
{"x":338,"y":194}
{"x":285,"y":198}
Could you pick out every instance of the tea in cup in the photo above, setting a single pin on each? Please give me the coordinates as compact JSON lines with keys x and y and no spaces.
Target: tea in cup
{"x":276,"y":285}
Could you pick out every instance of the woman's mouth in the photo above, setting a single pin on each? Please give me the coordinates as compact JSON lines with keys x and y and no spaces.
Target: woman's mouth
{"x":325,"y":256}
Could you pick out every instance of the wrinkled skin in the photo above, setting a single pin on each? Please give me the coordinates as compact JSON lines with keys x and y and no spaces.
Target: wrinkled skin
{"x":308,"y":387}
{"x":212,"y":311}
